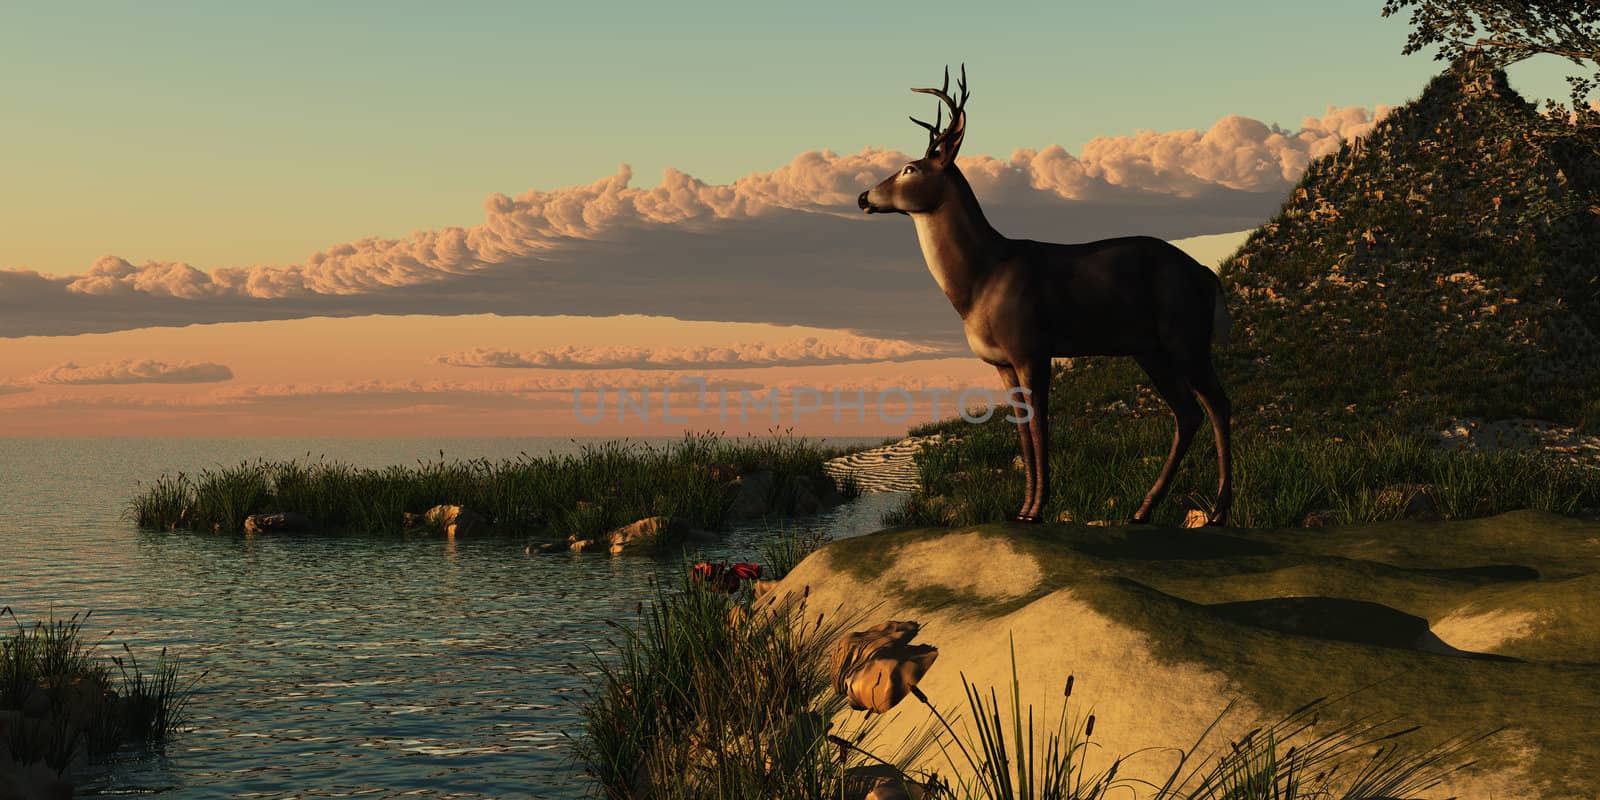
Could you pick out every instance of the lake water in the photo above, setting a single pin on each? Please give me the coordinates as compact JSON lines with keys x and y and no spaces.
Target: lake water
{"x":336,"y":667}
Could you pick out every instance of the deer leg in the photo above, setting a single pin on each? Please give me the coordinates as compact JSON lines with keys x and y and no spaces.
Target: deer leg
{"x":1035,"y":376}
{"x":1175,"y":390}
{"x":1008,"y":375}
{"x":1215,"y":400}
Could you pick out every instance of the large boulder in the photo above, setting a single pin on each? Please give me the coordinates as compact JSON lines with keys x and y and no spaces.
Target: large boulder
{"x":1461,"y":627}
{"x":281,"y":522}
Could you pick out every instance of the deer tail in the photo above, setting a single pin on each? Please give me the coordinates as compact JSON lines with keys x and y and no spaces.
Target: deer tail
{"x":1220,"y":321}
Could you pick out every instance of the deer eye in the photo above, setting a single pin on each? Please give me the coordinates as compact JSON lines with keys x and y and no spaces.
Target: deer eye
{"x":910,"y":169}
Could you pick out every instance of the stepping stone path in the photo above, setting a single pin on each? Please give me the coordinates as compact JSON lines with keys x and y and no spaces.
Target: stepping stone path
{"x":890,"y":468}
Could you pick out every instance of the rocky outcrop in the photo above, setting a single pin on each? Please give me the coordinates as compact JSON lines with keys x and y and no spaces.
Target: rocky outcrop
{"x":1460,"y":626}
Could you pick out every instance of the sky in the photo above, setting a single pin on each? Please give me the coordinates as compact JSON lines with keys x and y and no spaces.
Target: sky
{"x":352,"y":219}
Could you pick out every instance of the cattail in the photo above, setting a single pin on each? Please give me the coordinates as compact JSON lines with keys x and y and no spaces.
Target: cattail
{"x":1068,"y":692}
{"x":1088,"y":730}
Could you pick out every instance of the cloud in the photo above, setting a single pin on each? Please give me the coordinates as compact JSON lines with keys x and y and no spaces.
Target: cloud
{"x":806,"y":352}
{"x":786,"y":246}
{"x":131,"y":371}
{"x":7,"y":387}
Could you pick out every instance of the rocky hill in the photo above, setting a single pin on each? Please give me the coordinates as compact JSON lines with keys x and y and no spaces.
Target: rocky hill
{"x":1447,"y":265}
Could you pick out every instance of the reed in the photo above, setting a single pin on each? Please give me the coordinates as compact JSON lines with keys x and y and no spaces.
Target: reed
{"x":74,"y":702}
{"x":600,"y":487}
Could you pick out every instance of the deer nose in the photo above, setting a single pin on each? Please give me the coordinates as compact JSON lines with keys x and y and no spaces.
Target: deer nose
{"x":862,"y":201}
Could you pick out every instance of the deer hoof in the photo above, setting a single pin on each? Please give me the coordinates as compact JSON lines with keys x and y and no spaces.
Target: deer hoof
{"x":1031,"y":519}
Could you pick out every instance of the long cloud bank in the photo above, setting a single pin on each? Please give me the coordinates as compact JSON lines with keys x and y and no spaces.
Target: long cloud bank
{"x":786,"y":246}
{"x":135,"y":371}
{"x":805,"y":352}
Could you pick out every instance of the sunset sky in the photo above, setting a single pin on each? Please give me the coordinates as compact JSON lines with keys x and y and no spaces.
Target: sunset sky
{"x":441,"y":219}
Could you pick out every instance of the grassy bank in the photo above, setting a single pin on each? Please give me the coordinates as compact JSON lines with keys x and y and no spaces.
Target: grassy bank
{"x":715,"y":695}
{"x":63,"y":697}
{"x":1110,"y":436}
{"x":585,"y":494}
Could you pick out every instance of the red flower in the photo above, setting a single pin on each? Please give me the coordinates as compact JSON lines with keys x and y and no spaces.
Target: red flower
{"x":724,"y":577}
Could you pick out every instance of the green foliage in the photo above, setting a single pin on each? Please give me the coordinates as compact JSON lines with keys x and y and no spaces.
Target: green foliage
{"x":1020,"y":766}
{"x":706,"y":697}
{"x":588,"y":493}
{"x":1509,"y":32}
{"x":90,"y":708}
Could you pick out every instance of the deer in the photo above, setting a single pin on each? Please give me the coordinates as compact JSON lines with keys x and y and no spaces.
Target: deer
{"x":1023,"y":303}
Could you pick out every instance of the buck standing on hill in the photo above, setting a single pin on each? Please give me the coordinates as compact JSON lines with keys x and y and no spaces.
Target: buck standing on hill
{"x":1024,"y":302}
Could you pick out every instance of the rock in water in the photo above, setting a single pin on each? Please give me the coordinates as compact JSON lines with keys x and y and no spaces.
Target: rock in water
{"x":282,"y":522}
{"x":644,"y":533}
{"x":452,"y":521}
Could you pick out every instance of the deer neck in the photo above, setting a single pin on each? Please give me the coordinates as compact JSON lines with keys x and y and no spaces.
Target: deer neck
{"x":959,"y":245}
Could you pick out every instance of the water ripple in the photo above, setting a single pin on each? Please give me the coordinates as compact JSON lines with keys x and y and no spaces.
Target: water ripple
{"x":338,"y":667}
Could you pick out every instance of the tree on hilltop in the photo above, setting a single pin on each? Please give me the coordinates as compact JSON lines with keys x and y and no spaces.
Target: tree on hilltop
{"x":1508,"y":31}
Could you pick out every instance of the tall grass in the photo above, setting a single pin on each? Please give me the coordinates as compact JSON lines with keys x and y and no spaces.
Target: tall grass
{"x":1101,"y":469}
{"x":699,"y":701}
{"x":586,"y":493}
{"x":87,"y":706}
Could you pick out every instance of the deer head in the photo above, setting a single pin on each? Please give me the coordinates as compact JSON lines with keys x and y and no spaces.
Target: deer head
{"x":923,"y":185}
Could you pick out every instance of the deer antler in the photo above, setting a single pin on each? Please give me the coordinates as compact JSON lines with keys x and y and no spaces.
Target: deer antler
{"x":936,"y":137}
{"x":933,"y":130}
